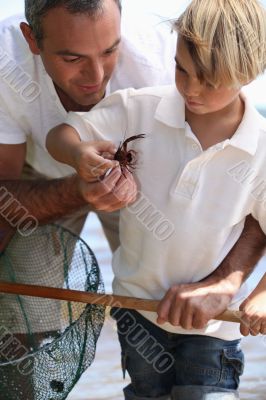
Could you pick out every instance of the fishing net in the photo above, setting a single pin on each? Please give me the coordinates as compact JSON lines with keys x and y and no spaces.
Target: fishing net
{"x":45,"y":345}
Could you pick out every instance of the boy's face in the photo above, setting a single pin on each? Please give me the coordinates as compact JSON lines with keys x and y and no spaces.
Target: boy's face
{"x":80,"y":53}
{"x":200,"y":98}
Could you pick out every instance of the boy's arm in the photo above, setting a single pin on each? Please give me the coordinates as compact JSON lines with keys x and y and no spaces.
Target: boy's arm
{"x":193,"y":305}
{"x":61,"y":142}
{"x":253,"y":320}
{"x":64,"y":144}
{"x":48,"y":200}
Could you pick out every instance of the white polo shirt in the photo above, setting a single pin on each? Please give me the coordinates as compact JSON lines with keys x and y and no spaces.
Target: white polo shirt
{"x":29,"y":104}
{"x":192,"y":203}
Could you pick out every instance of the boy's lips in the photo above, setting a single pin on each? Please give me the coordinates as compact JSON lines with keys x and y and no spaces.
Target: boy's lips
{"x":193,"y":103}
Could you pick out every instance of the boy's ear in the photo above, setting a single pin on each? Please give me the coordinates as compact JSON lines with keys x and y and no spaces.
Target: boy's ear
{"x":29,"y":37}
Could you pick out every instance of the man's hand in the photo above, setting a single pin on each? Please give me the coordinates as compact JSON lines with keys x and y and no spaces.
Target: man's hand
{"x":114,"y":192}
{"x":193,"y":305}
{"x":253,"y":320}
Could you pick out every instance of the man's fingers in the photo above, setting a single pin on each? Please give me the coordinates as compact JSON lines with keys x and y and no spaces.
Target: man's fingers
{"x":99,"y":165}
{"x":244,"y":329}
{"x":164,"y":307}
{"x":114,"y":192}
{"x":199,"y":321}
{"x":111,"y":180}
{"x":94,"y":192}
{"x":176,"y":314}
{"x":125,"y":189}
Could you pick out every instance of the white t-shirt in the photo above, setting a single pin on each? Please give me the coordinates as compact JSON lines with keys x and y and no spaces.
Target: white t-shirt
{"x":29,"y":104}
{"x":192,"y":203}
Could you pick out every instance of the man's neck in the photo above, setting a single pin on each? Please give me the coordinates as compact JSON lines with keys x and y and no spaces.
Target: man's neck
{"x":69,"y":104}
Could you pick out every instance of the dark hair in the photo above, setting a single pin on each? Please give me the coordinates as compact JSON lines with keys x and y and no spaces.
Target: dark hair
{"x":35,"y":10}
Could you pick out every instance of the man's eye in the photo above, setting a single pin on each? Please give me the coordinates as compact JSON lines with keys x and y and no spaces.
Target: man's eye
{"x":111,"y":51}
{"x":71,"y":59}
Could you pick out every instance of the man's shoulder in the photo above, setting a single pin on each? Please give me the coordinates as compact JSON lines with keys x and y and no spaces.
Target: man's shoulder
{"x":20,"y":70}
{"x":12,"y":41}
{"x":146,"y":57}
{"x":149,"y":42}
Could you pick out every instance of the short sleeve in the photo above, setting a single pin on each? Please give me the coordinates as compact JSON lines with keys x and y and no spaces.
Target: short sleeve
{"x":77,"y":121}
{"x":106,"y":121}
{"x":10,"y":131}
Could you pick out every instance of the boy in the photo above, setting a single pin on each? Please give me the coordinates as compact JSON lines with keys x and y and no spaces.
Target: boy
{"x":202,"y":142}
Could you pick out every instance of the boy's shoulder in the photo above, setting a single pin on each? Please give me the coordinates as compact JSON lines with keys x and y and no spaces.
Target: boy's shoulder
{"x":261,"y":121}
{"x":136,"y":100}
{"x":142,"y":95}
{"x":253,"y":118}
{"x":157,"y":91}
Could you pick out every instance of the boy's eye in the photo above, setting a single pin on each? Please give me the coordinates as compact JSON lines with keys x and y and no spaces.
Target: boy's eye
{"x":209,"y":85}
{"x":179,"y":68}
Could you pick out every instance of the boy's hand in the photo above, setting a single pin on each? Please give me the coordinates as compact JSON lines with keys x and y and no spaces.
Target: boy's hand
{"x":253,"y":320}
{"x":93,"y":160}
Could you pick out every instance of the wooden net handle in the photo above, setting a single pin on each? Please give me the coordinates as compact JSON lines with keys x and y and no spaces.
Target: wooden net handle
{"x":96,"y":298}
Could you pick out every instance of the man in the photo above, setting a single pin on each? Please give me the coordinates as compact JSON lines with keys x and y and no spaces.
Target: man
{"x":68,"y":59}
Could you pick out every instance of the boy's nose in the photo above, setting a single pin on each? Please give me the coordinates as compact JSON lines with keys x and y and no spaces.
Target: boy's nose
{"x":192,"y":87}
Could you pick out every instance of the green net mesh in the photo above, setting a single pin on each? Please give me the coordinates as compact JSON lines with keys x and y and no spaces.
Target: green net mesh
{"x":45,"y":345}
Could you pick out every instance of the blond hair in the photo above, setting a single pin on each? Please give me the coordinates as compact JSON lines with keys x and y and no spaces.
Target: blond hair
{"x":226,"y":39}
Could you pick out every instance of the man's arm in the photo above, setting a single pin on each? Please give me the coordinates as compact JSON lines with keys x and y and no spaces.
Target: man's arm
{"x":48,"y":200}
{"x":193,"y":305}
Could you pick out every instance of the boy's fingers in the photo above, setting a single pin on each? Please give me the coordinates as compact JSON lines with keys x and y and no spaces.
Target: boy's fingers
{"x":105,"y":146}
{"x":244,"y":329}
{"x":97,"y":160}
{"x":263,"y":328}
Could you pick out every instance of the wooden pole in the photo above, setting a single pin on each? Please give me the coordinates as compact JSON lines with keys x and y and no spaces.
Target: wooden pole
{"x":96,"y":298}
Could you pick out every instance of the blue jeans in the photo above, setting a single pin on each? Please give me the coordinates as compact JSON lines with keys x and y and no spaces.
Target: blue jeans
{"x":165,"y":365}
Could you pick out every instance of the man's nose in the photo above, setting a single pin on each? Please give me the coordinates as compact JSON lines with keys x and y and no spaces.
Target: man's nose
{"x":94,"y":72}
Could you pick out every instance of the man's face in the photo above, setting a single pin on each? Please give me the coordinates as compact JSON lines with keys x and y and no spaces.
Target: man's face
{"x":80,"y":52}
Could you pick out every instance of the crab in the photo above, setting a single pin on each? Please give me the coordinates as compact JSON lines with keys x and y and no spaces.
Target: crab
{"x":127,"y":158}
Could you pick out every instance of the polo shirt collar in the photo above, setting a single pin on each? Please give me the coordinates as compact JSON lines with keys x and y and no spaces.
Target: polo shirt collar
{"x":247,"y":134}
{"x":171,"y":112}
{"x":171,"y":109}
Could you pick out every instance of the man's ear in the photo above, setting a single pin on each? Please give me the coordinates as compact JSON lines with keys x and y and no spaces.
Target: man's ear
{"x":29,"y":37}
